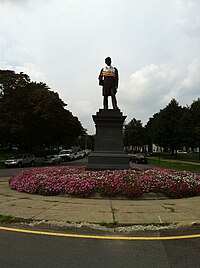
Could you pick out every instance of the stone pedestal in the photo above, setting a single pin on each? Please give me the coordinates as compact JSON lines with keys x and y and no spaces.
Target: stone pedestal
{"x":108,"y":151}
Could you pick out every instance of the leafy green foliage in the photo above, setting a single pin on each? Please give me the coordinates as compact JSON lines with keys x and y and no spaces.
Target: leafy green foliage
{"x":165,"y":126}
{"x":32,"y":116}
{"x":174,"y":127}
{"x":6,"y":219}
{"x":134,"y":134}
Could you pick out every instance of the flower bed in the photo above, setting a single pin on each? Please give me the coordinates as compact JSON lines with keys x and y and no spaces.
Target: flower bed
{"x":127,"y":183}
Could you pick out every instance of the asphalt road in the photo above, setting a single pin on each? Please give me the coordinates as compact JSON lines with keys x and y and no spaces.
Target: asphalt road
{"x":30,"y":250}
{"x":7,"y":172}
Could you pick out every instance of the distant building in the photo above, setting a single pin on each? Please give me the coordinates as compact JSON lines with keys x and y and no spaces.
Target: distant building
{"x":157,"y":149}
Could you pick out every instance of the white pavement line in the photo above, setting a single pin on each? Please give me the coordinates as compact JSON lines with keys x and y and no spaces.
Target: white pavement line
{"x":160,"y":219}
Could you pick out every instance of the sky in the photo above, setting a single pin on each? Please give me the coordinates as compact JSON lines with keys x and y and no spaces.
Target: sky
{"x":154,"y":44}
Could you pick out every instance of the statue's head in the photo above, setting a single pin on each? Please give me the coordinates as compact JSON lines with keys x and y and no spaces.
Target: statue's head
{"x":108,"y":61}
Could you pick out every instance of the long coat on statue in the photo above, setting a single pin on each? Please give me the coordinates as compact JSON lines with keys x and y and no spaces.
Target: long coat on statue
{"x":109,"y":79}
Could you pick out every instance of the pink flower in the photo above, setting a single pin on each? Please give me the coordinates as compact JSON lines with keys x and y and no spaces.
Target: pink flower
{"x":129,"y":183}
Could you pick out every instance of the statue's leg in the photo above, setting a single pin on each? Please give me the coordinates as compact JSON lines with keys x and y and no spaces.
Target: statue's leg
{"x":105,"y":102}
{"x":114,"y":102}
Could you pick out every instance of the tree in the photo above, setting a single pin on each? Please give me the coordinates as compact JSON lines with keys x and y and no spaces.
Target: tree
{"x":149,"y":134}
{"x":134,"y":134}
{"x":165,"y":126}
{"x":195,"y":118}
{"x":10,"y":81}
{"x":186,"y":129}
{"x":34,"y":115}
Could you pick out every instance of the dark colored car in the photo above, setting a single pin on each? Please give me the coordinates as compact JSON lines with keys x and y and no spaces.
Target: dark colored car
{"x":138,"y":158}
{"x":19,"y":160}
{"x":148,"y":154}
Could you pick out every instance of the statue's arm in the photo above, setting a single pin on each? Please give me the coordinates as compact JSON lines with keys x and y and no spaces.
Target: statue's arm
{"x":116,"y":78}
{"x":101,"y":78}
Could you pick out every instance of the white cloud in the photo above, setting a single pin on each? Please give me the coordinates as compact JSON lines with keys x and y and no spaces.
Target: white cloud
{"x":187,"y":17}
{"x":153,"y":87}
{"x":30,"y":69}
{"x":33,"y":71}
{"x":83,"y":110}
{"x":190,"y":86}
{"x":154,"y":44}
{"x":149,"y":88}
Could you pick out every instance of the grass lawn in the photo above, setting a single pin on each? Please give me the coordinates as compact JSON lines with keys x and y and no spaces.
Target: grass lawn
{"x":174,"y":165}
{"x":189,"y":157}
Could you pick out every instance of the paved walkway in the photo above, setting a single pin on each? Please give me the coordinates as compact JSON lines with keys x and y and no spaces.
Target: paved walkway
{"x":75,"y":210}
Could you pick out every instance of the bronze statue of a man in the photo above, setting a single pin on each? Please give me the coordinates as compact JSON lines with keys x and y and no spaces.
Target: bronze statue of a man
{"x":109,"y":79}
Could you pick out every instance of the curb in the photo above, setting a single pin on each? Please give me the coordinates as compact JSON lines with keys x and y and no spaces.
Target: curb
{"x":103,"y":237}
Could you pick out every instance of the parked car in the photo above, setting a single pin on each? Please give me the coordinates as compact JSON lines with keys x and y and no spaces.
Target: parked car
{"x":80,"y":154}
{"x":19,"y":160}
{"x":67,"y":155}
{"x":148,"y":154}
{"x":52,"y":159}
{"x":181,"y":152}
{"x":86,"y":152}
{"x":138,"y":158}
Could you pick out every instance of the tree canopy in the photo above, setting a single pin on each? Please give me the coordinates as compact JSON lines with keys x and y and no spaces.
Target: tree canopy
{"x":190,"y":125}
{"x":134,"y":134}
{"x":173,"y":127}
{"x":164,"y":126}
{"x":31,"y":115}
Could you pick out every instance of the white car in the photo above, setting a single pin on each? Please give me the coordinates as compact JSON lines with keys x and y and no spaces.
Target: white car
{"x":52,"y":159}
{"x":66,"y":155}
{"x":181,"y":152}
{"x":79,"y":155}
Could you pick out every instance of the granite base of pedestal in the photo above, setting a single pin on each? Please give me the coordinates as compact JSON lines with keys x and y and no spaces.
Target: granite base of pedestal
{"x":107,"y":160}
{"x":108,"y":150}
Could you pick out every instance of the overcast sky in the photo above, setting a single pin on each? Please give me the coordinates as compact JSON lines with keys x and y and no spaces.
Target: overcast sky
{"x":155,"y":45}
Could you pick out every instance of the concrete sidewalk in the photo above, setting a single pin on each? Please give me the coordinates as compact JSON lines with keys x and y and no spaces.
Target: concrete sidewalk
{"x":75,"y":210}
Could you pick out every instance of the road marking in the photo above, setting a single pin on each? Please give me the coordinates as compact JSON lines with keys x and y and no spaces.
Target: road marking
{"x":100,"y":237}
{"x":160,"y":219}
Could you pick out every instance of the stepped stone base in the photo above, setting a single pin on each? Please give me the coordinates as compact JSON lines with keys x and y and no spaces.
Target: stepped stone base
{"x":108,"y":151}
{"x":106,"y":160}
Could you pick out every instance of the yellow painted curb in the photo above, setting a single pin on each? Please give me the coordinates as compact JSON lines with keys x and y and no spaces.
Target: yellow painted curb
{"x":100,"y":237}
